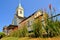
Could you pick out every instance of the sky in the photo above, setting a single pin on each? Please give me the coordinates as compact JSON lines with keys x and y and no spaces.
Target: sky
{"x":8,"y":8}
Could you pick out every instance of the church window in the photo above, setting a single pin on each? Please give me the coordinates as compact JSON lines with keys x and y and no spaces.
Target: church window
{"x":20,"y":12}
{"x":29,"y":23}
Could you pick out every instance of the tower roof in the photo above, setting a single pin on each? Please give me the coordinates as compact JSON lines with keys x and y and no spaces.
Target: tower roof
{"x":20,"y":6}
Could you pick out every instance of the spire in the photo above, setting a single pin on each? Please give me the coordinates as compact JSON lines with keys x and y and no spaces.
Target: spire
{"x":19,"y":3}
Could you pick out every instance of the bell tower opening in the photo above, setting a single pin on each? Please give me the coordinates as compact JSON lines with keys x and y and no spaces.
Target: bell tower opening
{"x":20,"y":11}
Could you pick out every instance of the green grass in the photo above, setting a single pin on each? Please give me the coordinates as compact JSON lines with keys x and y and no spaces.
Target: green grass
{"x":15,"y":38}
{"x":9,"y":38}
{"x":27,"y":38}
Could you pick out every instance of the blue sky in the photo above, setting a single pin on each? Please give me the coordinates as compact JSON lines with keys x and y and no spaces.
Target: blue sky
{"x":8,"y":8}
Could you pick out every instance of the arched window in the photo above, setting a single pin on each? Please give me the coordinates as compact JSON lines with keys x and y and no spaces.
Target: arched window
{"x":20,"y":12}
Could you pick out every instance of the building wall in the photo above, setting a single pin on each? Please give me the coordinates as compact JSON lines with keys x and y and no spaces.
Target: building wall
{"x":5,"y":30}
{"x":8,"y":31}
{"x":31,"y":19}
{"x":16,"y":20}
{"x":12,"y":30}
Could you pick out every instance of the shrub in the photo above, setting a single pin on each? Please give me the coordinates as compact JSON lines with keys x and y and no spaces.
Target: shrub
{"x":37,"y":28}
{"x":24,"y":31}
{"x":20,"y":33}
{"x":52,"y":28}
{"x":2,"y":35}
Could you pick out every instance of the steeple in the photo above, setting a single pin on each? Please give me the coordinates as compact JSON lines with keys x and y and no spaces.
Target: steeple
{"x":20,"y":10}
{"x":19,"y":4}
{"x":19,"y":16}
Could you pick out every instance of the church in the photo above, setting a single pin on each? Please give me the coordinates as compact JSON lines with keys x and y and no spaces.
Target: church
{"x":18,"y":17}
{"x":20,"y":20}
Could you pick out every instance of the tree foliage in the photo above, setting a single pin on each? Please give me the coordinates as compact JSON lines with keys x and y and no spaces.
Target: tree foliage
{"x":52,"y":28}
{"x":2,"y":34}
{"x":37,"y":28}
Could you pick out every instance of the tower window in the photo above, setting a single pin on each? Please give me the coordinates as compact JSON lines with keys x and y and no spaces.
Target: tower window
{"x":20,"y":12}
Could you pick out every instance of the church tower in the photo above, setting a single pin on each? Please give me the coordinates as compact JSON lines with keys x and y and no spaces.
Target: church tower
{"x":20,"y":11}
{"x":19,"y":16}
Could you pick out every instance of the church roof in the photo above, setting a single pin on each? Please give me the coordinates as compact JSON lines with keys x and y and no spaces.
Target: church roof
{"x":20,"y":6}
{"x":31,"y":15}
{"x":11,"y":26}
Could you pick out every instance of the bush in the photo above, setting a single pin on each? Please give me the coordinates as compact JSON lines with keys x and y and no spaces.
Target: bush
{"x":37,"y":28}
{"x":20,"y":33}
{"x":24,"y":31}
{"x":2,"y":35}
{"x":31,"y":35}
{"x":52,"y":28}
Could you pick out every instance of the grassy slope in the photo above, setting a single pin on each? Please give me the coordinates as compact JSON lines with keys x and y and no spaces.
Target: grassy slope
{"x":26,"y":38}
{"x":9,"y":38}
